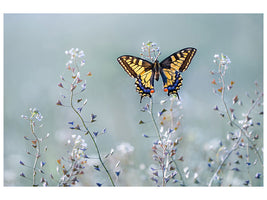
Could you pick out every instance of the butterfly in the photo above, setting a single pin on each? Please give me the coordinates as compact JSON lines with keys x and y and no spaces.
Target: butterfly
{"x":169,"y":69}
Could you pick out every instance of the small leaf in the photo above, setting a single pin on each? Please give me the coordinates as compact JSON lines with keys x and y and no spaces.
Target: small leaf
{"x":42,"y":163}
{"x":258,"y":176}
{"x":216,"y":108}
{"x":141,"y":122}
{"x":95,"y":133}
{"x":26,"y":138}
{"x":146,"y":136}
{"x":236,"y":169}
{"x":246,"y":182}
{"x":59,"y":161}
{"x":60,"y":85}
{"x":59,"y":103}
{"x":71,"y":123}
{"x":220,"y":89}
{"x":161,"y":112}
{"x":155,"y":173}
{"x":235,"y":99}
{"x":117,"y":173}
{"x":104,"y":131}
{"x":96,"y":167}
{"x":77,"y":127}
{"x":93,"y":117}
{"x":214,"y":82}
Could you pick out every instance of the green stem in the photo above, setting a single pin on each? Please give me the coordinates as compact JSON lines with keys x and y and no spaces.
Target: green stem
{"x":153,"y":119}
{"x":37,"y":153}
{"x":88,"y":132}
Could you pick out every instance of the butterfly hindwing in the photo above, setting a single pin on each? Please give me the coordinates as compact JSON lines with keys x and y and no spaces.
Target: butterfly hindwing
{"x":172,"y":81}
{"x":145,"y":84}
{"x":180,"y":60}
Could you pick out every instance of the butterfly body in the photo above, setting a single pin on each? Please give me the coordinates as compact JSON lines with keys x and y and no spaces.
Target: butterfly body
{"x":145,"y":72}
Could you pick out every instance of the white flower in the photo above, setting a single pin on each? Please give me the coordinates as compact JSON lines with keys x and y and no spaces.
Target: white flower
{"x":125,"y":148}
{"x":216,"y":56}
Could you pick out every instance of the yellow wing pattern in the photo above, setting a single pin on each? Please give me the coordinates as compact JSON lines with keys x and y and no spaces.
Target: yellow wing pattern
{"x":145,"y":71}
{"x":172,"y":81}
{"x":142,"y":70}
{"x":180,"y":60}
{"x":134,"y":66}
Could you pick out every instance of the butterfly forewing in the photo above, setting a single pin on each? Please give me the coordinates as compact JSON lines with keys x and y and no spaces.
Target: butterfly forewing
{"x":134,"y":66}
{"x":180,"y":60}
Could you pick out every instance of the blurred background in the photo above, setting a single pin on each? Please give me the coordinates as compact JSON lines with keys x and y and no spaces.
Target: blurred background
{"x":34,"y":59}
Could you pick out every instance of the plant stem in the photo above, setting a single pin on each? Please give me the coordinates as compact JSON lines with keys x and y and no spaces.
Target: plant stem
{"x":158,"y":133}
{"x":37,"y":152}
{"x":153,"y":119}
{"x":236,"y":125}
{"x":234,"y":147}
{"x":88,"y":132}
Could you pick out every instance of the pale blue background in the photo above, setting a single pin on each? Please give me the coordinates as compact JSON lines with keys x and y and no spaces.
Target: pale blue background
{"x":34,"y":58}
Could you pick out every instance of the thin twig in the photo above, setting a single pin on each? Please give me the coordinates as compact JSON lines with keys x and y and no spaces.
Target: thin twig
{"x":234,"y":147}
{"x":88,"y":132}
{"x":37,"y":152}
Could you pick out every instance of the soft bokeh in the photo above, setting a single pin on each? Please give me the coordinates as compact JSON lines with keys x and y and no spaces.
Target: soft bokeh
{"x":34,"y":59}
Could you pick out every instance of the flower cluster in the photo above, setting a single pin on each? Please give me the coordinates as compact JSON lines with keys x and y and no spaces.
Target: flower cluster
{"x":76,"y":56}
{"x":150,"y":51}
{"x":38,"y":170}
{"x":165,"y":149}
{"x":74,"y":165}
{"x":75,"y":87}
{"x":244,"y":131}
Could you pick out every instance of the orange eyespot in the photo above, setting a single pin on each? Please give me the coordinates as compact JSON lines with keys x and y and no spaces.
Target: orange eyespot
{"x":165,"y":90}
{"x":152,"y":91}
